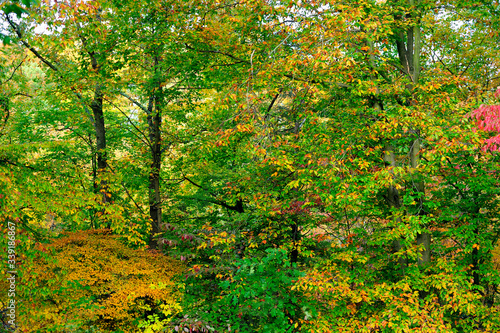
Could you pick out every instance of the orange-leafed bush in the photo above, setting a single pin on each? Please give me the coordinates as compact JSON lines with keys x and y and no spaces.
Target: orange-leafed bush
{"x":438,"y":300}
{"x":90,"y":281}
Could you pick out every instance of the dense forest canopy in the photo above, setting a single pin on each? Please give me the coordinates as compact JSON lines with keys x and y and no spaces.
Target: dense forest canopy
{"x":250,"y":166}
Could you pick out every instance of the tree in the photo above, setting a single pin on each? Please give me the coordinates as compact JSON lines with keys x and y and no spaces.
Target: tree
{"x":364,"y":114}
{"x":92,"y":56}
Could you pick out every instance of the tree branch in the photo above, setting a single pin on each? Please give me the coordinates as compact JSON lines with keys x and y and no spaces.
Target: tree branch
{"x":15,"y":69}
{"x":142,"y":107}
{"x":217,"y":52}
{"x":147,"y":142}
{"x":239,"y":204}
{"x":4,"y":160}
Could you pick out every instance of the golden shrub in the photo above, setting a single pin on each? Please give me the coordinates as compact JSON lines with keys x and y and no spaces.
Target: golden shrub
{"x":91,"y":281}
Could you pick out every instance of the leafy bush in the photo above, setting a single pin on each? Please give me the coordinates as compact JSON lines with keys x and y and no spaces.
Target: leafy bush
{"x":259,"y":296}
{"x":91,"y":280}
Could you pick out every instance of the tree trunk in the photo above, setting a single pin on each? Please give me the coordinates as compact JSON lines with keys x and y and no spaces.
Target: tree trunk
{"x":424,"y":238}
{"x":154,"y":125}
{"x":154,"y":202}
{"x":95,"y":186}
{"x":296,"y":236}
{"x":155,"y":198}
{"x":392,"y":199}
{"x":409,"y":56}
{"x":475,"y":255}
{"x":100,"y":133}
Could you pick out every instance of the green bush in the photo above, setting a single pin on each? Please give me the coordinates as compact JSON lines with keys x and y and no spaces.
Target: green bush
{"x":259,"y":297}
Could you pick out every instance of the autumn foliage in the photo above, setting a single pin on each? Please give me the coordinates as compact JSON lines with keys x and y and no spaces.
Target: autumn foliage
{"x":252,"y":165}
{"x":488,"y":119}
{"x":90,"y":280}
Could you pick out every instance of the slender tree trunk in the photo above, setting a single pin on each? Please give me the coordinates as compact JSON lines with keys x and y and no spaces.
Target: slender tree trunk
{"x":409,"y":56}
{"x":154,"y":202}
{"x":155,"y":211}
{"x":424,"y":238}
{"x":296,"y":236}
{"x":392,"y":195}
{"x":155,"y":139}
{"x":393,"y":200}
{"x":95,"y":186}
{"x":100,"y":133}
{"x":295,"y":230}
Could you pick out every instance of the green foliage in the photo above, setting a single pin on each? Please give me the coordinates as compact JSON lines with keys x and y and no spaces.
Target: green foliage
{"x":258,"y":297}
{"x":260,"y":294}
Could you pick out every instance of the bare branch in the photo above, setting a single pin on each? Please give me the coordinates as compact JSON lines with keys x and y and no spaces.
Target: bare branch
{"x":147,"y":142}
{"x":134,"y":101}
{"x":15,"y":69}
